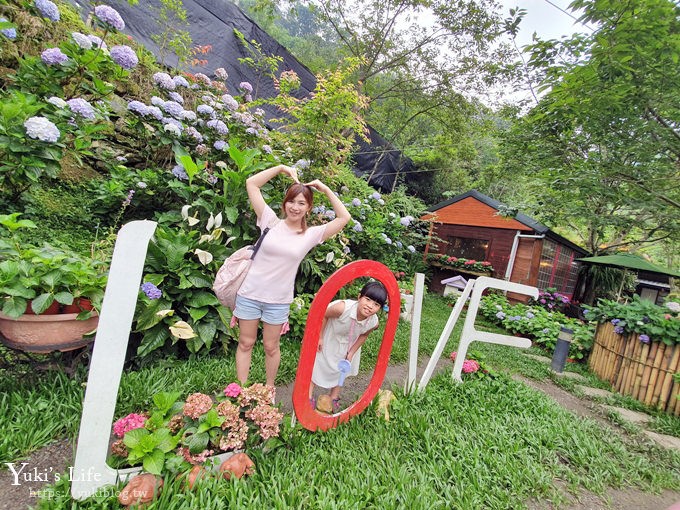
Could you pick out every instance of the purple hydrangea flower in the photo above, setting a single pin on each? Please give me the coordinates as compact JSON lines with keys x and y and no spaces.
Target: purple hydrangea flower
{"x":189,"y":115}
{"x":405,"y":221}
{"x":218,"y":126}
{"x":137,"y":107}
{"x":171,"y":128}
{"x":180,"y":81}
{"x":356,"y":202}
{"x":251,"y":131}
{"x":151,"y":291}
{"x":399,"y":244}
{"x":212,"y":179}
{"x":330,"y":214}
{"x":164,"y":81}
{"x":221,"y":73}
{"x":376,"y":196}
{"x":53,"y":56}
{"x":157,"y":101}
{"x":615,"y":321}
{"x":109,"y":16}
{"x":501,"y":315}
{"x":546,"y":331}
{"x":618,"y":330}
{"x":204,"y":109}
{"x":124,"y":56}
{"x":357,"y":227}
{"x":42,"y":129}
{"x":220,"y":145}
{"x":267,"y":149}
{"x":203,"y":78}
{"x":530,"y":315}
{"x":10,"y":33}
{"x":644,"y":339}
{"x":173,"y":108}
{"x":128,"y":199}
{"x":81,"y":107}
{"x":97,"y":41}
{"x":176,"y":97}
{"x":48,"y":9}
{"x":230,"y":102}
{"x":155,"y":112}
{"x":179,"y":172}
{"x":245,"y":86}
{"x":82,"y":40}
{"x":193,"y":133}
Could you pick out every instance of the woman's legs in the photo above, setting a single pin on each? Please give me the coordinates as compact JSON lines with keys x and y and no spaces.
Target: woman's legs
{"x":271,"y":335}
{"x":246,"y":340}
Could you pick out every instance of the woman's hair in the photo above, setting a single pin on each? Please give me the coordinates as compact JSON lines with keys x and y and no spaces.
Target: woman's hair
{"x":295,"y":190}
{"x":375,"y":291}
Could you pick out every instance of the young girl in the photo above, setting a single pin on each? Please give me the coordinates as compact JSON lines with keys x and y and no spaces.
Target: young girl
{"x":267,"y":291}
{"x":346,"y":325}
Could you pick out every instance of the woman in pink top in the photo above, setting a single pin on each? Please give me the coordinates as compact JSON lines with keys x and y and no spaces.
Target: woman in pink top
{"x":267,"y":291}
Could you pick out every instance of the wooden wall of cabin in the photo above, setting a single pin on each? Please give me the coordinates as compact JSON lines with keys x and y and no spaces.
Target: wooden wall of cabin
{"x":525,"y":269}
{"x":498,"y":251}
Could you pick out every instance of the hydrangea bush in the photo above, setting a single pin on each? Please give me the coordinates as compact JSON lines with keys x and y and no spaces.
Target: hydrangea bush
{"x":537,"y":323}
{"x":652,"y":323}
{"x":175,"y":435}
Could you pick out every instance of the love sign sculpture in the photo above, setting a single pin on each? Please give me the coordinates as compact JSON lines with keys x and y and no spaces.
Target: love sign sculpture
{"x":308,"y":417}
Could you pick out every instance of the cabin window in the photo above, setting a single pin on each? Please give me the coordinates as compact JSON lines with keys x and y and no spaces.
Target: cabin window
{"x":557,"y":268}
{"x":465,"y":247}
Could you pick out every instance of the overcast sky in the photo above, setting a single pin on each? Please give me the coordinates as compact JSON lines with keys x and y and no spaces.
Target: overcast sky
{"x":543,"y":18}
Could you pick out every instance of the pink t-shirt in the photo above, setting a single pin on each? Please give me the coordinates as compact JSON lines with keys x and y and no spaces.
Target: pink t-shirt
{"x":271,"y":277}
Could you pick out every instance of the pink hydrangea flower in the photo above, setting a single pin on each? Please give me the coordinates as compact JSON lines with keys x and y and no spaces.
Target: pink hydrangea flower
{"x":232,"y":390}
{"x":453,"y":356}
{"x":130,"y":422}
{"x":470,"y":366}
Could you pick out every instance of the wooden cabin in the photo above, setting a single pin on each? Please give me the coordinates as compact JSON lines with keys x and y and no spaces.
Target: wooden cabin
{"x":520,"y":249}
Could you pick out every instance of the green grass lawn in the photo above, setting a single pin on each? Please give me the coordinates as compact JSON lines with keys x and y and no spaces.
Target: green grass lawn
{"x":487,"y":443}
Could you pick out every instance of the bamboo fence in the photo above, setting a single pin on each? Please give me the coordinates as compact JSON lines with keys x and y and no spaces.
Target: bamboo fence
{"x":643,"y":371}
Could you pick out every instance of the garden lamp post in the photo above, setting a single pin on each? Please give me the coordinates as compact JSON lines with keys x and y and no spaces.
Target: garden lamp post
{"x":559,"y":358}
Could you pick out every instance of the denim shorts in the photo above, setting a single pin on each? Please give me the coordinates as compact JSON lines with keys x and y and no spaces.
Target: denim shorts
{"x":271,"y":313}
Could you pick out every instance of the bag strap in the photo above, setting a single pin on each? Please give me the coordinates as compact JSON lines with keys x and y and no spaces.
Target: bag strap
{"x":259,"y":242}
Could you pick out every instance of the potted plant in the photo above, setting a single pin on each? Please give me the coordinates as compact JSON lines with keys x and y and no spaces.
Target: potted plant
{"x":35,"y":280}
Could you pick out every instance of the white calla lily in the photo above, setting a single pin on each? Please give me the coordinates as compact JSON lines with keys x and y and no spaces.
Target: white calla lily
{"x":211,"y":223}
{"x":165,"y":313}
{"x":204,"y":257}
{"x":218,"y":220}
{"x":182,"y":330}
{"x":185,"y":212}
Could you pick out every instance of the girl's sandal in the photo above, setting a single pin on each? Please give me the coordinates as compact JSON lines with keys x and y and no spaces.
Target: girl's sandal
{"x":336,"y":404}
{"x":312,"y":402}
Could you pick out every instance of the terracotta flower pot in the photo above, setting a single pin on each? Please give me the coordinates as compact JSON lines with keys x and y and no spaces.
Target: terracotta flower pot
{"x":78,"y":305}
{"x":51,"y":310}
{"x":46,"y":333}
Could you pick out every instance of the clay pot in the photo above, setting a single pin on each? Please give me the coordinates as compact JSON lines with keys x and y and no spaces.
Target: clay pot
{"x":237,"y":465}
{"x":195,"y":474}
{"x":51,"y":310}
{"x":46,"y":333}
{"x":141,"y":489}
{"x":78,"y":305}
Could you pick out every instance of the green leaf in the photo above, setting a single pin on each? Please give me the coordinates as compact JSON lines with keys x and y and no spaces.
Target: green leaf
{"x":42,"y":302}
{"x":133,"y":438}
{"x":14,"y":307}
{"x":154,"y":462}
{"x":165,"y":440}
{"x":164,"y":400}
{"x":200,"y":299}
{"x":154,"y":338}
{"x":198,"y":442}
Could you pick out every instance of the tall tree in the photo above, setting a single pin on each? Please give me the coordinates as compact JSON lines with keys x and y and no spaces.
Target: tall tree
{"x":604,"y":140}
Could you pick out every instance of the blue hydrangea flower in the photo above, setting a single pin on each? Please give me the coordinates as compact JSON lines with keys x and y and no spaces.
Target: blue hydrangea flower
{"x":501,"y":315}
{"x":53,"y":56}
{"x":81,"y":107}
{"x":151,"y":291}
{"x":57,"y":101}
{"x":189,"y":115}
{"x":164,"y":81}
{"x":330,"y":214}
{"x":245,"y":86}
{"x":405,"y":221}
{"x":267,"y":149}
{"x":615,"y":321}
{"x":193,"y":133}
{"x":10,"y":33}
{"x":411,"y":248}
{"x":48,"y":9}
{"x":618,"y":330}
{"x":546,"y":331}
{"x":205,"y":110}
{"x":137,"y":107}
{"x":644,"y":339}
{"x":218,"y":126}
{"x":530,"y":315}
{"x":42,"y":129}
{"x":176,"y":97}
{"x":251,"y":131}
{"x":179,"y":172}
{"x":124,"y":56}
{"x":155,"y":112}
{"x":356,"y":202}
{"x":230,"y":102}
{"x":376,"y":196}
{"x":357,"y":227}
{"x":109,"y":16}
{"x":221,"y":145}
{"x":173,"y":108}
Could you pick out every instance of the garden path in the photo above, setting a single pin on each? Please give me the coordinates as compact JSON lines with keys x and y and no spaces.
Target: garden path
{"x":58,"y":456}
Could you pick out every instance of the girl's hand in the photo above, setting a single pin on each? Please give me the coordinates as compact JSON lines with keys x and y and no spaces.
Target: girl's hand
{"x":291,"y":172}
{"x":318,"y":185}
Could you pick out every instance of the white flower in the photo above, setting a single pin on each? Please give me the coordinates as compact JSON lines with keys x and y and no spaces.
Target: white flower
{"x":673,"y":306}
{"x":58,"y":102}
{"x":42,"y":129}
{"x":171,"y":128}
{"x":204,"y":257}
{"x":182,"y":330}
